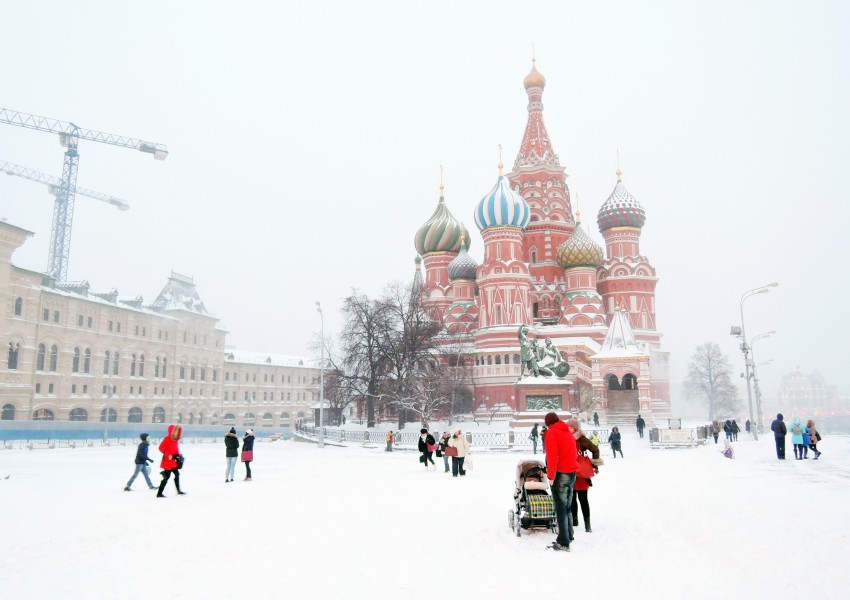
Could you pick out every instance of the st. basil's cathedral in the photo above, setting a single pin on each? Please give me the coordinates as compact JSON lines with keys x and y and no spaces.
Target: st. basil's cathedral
{"x":541,"y":268}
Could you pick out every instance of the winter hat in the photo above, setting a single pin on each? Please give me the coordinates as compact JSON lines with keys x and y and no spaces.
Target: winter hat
{"x":249,"y":432}
{"x":423,"y":431}
{"x":232,"y":430}
{"x":143,"y":436}
{"x":574,"y":424}
{"x":551,"y":419}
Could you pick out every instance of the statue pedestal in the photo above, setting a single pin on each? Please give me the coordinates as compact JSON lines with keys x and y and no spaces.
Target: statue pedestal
{"x":536,"y":396}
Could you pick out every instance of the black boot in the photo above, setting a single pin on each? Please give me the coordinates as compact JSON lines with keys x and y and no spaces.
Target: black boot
{"x":159,"y":493}
{"x":587,"y":526}
{"x":575,"y":521}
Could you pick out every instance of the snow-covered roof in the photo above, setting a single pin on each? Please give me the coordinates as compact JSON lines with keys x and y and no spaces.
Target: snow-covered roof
{"x":69,"y":292}
{"x":179,"y":293}
{"x":620,"y":341}
{"x":264,"y":358}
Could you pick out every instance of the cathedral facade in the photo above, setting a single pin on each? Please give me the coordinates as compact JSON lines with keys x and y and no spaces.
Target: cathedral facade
{"x":541,"y":268}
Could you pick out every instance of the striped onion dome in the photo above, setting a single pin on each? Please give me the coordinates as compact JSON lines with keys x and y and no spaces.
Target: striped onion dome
{"x":441,"y":233}
{"x":463,"y":266}
{"x":502,"y":207}
{"x":621,"y":209}
{"x":580,"y":251}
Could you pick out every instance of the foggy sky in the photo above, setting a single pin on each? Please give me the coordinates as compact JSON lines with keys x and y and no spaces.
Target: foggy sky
{"x":306,"y":141}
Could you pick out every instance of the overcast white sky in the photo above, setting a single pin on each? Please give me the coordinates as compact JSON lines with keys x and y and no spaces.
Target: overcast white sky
{"x":306,"y":139}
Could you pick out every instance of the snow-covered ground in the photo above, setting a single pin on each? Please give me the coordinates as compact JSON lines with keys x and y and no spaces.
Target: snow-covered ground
{"x":363,"y":523}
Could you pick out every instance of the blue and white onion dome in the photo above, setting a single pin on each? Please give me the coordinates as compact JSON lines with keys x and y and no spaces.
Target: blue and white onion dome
{"x":621,"y":209}
{"x":463,"y":266}
{"x":440,"y":233}
{"x":502,"y":207}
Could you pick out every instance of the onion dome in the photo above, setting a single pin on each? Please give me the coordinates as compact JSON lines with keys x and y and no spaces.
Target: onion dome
{"x":534,"y":77}
{"x":463,"y":266}
{"x":580,"y":250}
{"x":621,"y":209}
{"x":441,"y":233}
{"x":502,"y":207}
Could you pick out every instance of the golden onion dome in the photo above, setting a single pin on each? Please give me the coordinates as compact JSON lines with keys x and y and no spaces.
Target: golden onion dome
{"x":534,"y":77}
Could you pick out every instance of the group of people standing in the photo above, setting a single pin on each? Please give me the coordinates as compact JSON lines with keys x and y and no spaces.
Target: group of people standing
{"x":803,"y":437}
{"x":451,"y":445}
{"x":172,"y":460}
{"x":730,"y":428}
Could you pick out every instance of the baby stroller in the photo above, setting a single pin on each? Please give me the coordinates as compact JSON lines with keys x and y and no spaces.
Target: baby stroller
{"x":535,"y":508}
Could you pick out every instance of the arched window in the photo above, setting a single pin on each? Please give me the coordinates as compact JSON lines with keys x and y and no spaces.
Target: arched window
{"x":267,"y":417}
{"x":158,"y":415}
{"x":516,"y":359}
{"x":180,"y":417}
{"x":135,"y":415}
{"x":156,"y":368}
{"x":228,"y":419}
{"x":106,"y":363}
{"x":203,"y":374}
{"x":75,"y":365}
{"x":108,"y":415}
{"x":498,"y":359}
{"x":78,"y":414}
{"x":87,"y":361}
{"x":200,"y":418}
{"x":8,"y":410}
{"x":54,"y":358}
{"x":42,"y":414}
{"x":142,"y":365}
{"x":284,"y":415}
{"x":39,"y":359}
{"x":133,"y":365}
{"x":191,"y":418}
{"x":115,"y":364}
{"x":613,"y":382}
{"x":630,"y":382}
{"x":19,"y":305}
{"x":164,"y":367}
{"x":12,"y":361}
{"x":248,"y":420}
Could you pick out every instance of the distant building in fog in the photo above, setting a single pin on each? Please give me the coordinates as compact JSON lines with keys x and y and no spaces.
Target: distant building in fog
{"x":75,"y":354}
{"x":807,"y":395}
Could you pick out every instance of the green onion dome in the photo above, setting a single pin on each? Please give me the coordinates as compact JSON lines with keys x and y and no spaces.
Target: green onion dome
{"x":579,"y":250}
{"x":463,"y":266}
{"x":441,"y":233}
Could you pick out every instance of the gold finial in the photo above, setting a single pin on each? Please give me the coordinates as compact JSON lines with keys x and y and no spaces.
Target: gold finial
{"x":578,"y":212}
{"x":501,"y":166}
{"x":462,"y":235}
{"x":442,"y":188}
{"x":619,"y":172}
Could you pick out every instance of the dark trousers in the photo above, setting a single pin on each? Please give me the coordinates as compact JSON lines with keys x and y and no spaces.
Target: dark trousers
{"x":640,"y":431}
{"x":580,"y":497}
{"x":562,"y":494}
{"x":534,"y":444}
{"x":248,"y":469}
{"x":166,"y":475}
{"x":780,"y":447}
{"x":457,"y":466}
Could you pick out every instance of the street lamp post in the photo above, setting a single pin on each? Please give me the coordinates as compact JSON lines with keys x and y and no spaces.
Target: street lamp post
{"x":321,"y":437}
{"x":755,"y":375}
{"x":742,"y":334}
{"x":106,"y":413}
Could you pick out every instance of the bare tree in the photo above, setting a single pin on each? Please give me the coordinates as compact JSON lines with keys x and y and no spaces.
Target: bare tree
{"x":710,"y":379}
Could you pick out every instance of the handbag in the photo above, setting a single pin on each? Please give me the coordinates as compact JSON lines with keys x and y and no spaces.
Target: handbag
{"x":817,"y":434}
{"x":178,"y":458}
{"x":247,"y":455}
{"x":585,"y":467}
{"x":451,"y":451}
{"x":431,"y":447}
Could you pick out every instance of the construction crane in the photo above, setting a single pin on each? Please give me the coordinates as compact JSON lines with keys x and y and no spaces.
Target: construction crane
{"x":55,"y":186}
{"x":63,"y":208}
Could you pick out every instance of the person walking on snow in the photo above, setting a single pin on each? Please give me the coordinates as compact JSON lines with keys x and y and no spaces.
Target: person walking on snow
{"x":459,"y":443}
{"x":142,"y":461}
{"x":170,"y":450}
{"x":533,"y":435}
{"x":615,"y":439}
{"x":814,"y":438}
{"x":640,"y":424}
{"x":231,"y":444}
{"x":797,"y":438}
{"x":248,"y":452}
{"x":427,"y":445}
{"x":779,"y":431}
{"x":596,"y":419}
{"x":561,"y":467}
{"x":582,"y":484}
{"x":735,"y":431}
{"x":444,"y":442}
{"x":389,"y":441}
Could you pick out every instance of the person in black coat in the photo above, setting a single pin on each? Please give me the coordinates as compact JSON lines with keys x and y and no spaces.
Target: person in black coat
{"x":779,"y":433}
{"x":248,"y":452}
{"x":735,"y":430}
{"x":615,"y":439}
{"x":142,"y":461}
{"x":231,"y":445}
{"x":640,"y":424}
{"x":426,"y":447}
{"x":533,"y":435}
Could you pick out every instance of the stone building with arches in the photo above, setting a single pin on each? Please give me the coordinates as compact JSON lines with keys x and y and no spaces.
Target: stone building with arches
{"x":72,"y":353}
{"x":541,"y":267}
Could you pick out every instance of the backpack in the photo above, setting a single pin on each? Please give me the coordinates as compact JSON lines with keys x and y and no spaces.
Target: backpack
{"x":796,"y":430}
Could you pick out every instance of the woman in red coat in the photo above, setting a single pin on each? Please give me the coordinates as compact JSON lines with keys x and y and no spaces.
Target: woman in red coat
{"x":168,"y":447}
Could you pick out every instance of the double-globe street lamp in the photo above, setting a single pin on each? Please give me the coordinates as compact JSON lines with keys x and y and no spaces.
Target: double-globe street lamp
{"x":320,"y":436}
{"x":755,"y":375}
{"x":741,"y":332}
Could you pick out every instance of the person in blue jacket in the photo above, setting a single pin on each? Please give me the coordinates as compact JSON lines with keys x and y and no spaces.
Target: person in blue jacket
{"x":797,"y":437}
{"x":807,"y":440}
{"x":142,"y":461}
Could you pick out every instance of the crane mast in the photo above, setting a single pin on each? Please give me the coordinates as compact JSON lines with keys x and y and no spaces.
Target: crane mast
{"x":63,"y":207}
